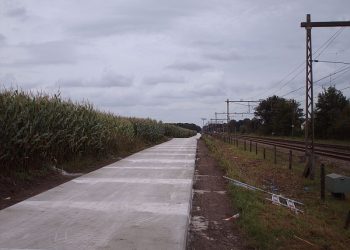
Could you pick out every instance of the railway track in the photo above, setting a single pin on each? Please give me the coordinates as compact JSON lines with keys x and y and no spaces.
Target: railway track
{"x":341,"y":152}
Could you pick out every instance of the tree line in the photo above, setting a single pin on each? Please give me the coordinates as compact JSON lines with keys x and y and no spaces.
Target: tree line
{"x":284,"y":117}
{"x":190,"y":126}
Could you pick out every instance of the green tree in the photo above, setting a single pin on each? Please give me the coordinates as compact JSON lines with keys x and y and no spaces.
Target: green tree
{"x":248,"y":125}
{"x":331,"y":114}
{"x":342,"y":125}
{"x":190,"y":126}
{"x":279,"y":116}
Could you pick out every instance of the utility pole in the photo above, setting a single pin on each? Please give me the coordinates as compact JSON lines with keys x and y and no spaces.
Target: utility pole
{"x":216,"y":120}
{"x":309,"y":170}
{"x":293,"y":116}
{"x":245,"y":113}
{"x":228,"y":115}
{"x":203,"y":120}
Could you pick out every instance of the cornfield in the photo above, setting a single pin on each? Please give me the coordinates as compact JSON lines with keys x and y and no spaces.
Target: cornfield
{"x":39,"y":129}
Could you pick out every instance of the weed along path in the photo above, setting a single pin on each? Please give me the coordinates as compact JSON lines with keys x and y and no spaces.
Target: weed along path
{"x":213,"y":219}
{"x":140,"y":202}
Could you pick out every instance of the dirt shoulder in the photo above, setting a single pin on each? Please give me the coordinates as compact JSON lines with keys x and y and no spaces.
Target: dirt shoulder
{"x":210,"y":206}
{"x":14,"y":191}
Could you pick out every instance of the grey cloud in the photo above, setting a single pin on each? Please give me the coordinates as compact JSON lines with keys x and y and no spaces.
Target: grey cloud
{"x":107,"y":80}
{"x":209,"y":43}
{"x":114,"y":25}
{"x":19,"y":12}
{"x":208,"y":90}
{"x":163,"y":79}
{"x":224,"y":56}
{"x":2,"y":38}
{"x":152,"y":16}
{"x":111,"y":79}
{"x":118,"y":99}
{"x":69,"y":83}
{"x":54,"y":52}
{"x":8,"y":79}
{"x":203,"y":52}
{"x":191,"y":94}
{"x":189,"y":66}
{"x":174,"y":94}
{"x":123,"y":23}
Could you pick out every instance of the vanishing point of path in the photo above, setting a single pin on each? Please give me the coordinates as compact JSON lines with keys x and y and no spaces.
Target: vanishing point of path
{"x":140,"y":202}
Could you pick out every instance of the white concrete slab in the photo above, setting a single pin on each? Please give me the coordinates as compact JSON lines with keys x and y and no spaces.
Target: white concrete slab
{"x":140,"y":202}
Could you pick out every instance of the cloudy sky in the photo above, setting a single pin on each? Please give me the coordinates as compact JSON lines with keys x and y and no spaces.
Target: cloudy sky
{"x":175,"y":61}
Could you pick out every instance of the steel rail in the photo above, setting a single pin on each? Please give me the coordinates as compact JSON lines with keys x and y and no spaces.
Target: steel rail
{"x":291,"y":145}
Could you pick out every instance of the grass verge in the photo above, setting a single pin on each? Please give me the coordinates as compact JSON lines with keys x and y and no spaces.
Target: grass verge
{"x":268,"y":226}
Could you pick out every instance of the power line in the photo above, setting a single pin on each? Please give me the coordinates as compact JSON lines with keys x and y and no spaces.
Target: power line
{"x":315,"y":82}
{"x":290,"y":92}
{"x":331,"y":39}
{"x":343,"y":69}
{"x":324,"y":46}
{"x":331,"y":74}
{"x":328,"y":42}
{"x":345,"y":88}
{"x":341,"y":75}
{"x":331,"y":62}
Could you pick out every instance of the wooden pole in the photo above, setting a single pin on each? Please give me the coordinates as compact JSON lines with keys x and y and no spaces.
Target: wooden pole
{"x":322,"y":183}
{"x":290,"y":159}
{"x":256,"y":148}
{"x":347,"y":222}
{"x":264,"y":153}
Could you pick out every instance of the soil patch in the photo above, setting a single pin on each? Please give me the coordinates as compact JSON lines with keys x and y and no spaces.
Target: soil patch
{"x":210,"y":206}
{"x":12,"y":192}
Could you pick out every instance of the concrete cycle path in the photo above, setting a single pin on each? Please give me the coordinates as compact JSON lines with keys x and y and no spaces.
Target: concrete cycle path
{"x":140,"y":202}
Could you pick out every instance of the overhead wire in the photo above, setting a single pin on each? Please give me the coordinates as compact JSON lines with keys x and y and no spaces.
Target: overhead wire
{"x":315,"y":82}
{"x":317,"y":53}
{"x":348,"y":87}
{"x":335,"y":78}
{"x":335,"y":62}
{"x":323,"y":47}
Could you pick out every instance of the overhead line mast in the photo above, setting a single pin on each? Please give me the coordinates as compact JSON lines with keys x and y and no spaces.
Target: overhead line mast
{"x":309,"y":170}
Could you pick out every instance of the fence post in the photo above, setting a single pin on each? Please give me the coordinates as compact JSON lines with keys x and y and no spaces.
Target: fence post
{"x":250,"y":146}
{"x":245,"y":145}
{"x":290,"y":159}
{"x":256,"y":148}
{"x":275,"y":153}
{"x":322,"y":182}
{"x":347,"y":222}
{"x":264,"y":153}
